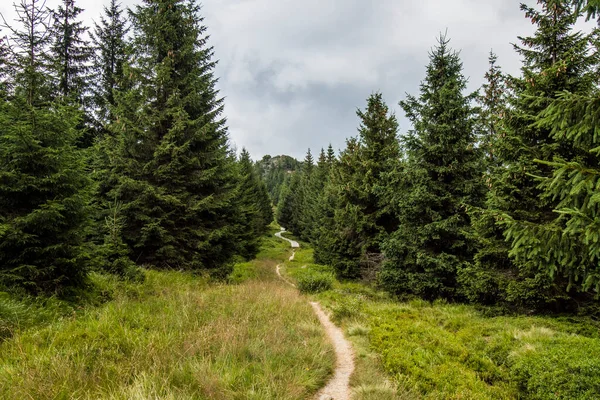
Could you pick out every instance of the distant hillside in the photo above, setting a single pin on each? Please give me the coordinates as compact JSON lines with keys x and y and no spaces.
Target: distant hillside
{"x":275,"y":170}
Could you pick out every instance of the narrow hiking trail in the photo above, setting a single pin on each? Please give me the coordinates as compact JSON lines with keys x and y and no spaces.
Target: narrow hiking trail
{"x":338,"y":387}
{"x":293,"y":243}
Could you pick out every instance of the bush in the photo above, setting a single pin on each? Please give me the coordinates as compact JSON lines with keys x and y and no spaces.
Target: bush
{"x":453,"y":351}
{"x":242,"y":272}
{"x":548,"y":365}
{"x":314,"y":282}
{"x":347,"y":307}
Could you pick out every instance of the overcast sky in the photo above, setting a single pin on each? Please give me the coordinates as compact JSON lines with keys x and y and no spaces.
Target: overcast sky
{"x":294,"y":72}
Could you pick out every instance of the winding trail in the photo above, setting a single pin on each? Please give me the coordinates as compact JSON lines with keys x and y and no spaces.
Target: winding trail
{"x":293,"y":243}
{"x":338,"y":387}
{"x":282,"y":278}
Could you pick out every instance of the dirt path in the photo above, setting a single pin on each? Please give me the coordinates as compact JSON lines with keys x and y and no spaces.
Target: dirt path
{"x":338,"y":387}
{"x":293,"y":243}
{"x":282,"y":278}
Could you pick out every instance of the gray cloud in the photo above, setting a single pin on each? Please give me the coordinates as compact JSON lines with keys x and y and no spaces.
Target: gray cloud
{"x":293,"y":73}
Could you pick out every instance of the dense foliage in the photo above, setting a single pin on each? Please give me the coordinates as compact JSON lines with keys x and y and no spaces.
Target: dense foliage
{"x":533,"y":272}
{"x":439,"y":180}
{"x":42,"y":180}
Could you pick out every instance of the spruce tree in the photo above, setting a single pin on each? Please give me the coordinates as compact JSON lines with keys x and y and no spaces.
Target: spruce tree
{"x":110,"y":57}
{"x":265,"y":205}
{"x":70,"y":52}
{"x":327,"y":204}
{"x":175,"y":174}
{"x":308,"y":164}
{"x":308,"y":197}
{"x":113,"y":252}
{"x":380,"y":153}
{"x":253,"y":213}
{"x":330,"y":155}
{"x":110,"y":44}
{"x":311,"y":215}
{"x":339,"y":244}
{"x":552,"y":261}
{"x":483,"y":280}
{"x":440,"y":180}
{"x":70,"y":55}
{"x":493,"y":109}
{"x":590,"y":7}
{"x":362,"y":220}
{"x":288,"y":208}
{"x":4,"y":68}
{"x":293,"y":199}
{"x":29,"y":51}
{"x":568,"y":245}
{"x":555,"y":59}
{"x":43,"y":185}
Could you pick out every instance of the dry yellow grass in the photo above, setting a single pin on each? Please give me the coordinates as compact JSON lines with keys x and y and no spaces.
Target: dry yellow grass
{"x":176,"y":337}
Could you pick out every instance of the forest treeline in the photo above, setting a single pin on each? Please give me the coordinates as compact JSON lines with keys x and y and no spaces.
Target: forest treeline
{"x":492,"y":197}
{"x":114,"y":151}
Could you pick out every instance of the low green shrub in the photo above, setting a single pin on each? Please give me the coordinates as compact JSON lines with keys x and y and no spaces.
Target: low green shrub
{"x":550,"y":365}
{"x":453,"y":351}
{"x":310,"y":281}
{"x":346,"y":307}
{"x":242,"y":272}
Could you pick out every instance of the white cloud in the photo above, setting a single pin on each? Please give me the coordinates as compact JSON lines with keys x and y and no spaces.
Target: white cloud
{"x":293,"y":72}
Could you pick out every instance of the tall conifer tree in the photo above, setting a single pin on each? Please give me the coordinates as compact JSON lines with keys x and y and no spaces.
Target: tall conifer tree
{"x":42,"y":180}
{"x":557,"y":59}
{"x":71,"y":56}
{"x":308,"y":196}
{"x":70,"y":52}
{"x":339,"y":244}
{"x":361,"y":220}
{"x":254,"y":216}
{"x":109,"y":39}
{"x":314,"y":190}
{"x":441,"y":178}
{"x":325,"y":211}
{"x":288,"y":208}
{"x":4,"y":68}
{"x":480,"y":281}
{"x":330,"y":154}
{"x":175,"y":173}
{"x":493,"y":109}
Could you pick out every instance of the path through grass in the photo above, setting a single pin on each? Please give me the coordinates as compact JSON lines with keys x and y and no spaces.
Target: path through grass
{"x":422,"y":350}
{"x":175,"y":336}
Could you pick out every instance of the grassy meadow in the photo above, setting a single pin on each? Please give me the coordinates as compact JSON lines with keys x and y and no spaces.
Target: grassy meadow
{"x":179,"y":336}
{"x":423,"y":350}
{"x":174,"y":336}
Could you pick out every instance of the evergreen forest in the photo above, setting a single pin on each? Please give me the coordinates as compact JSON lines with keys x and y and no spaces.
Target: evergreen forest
{"x":491,"y":198}
{"x":144,"y":255}
{"x":115,"y":151}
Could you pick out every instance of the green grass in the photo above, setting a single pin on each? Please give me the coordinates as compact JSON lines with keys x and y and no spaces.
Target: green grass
{"x":20,"y":311}
{"x":176,"y":336}
{"x":179,"y":336}
{"x":369,"y":380}
{"x":315,"y":281}
{"x":453,"y":351}
{"x":420,"y":350}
